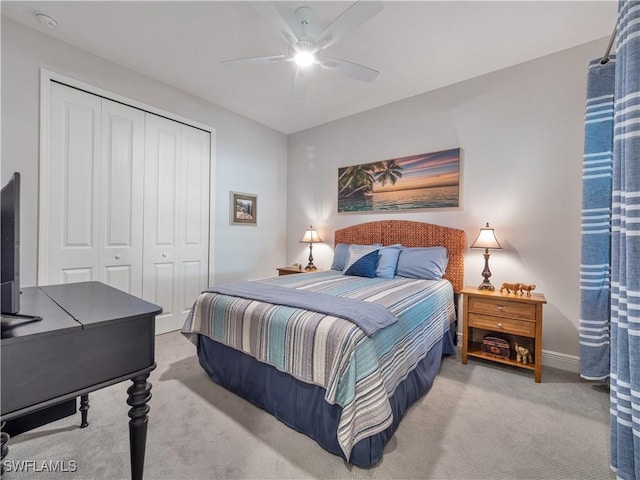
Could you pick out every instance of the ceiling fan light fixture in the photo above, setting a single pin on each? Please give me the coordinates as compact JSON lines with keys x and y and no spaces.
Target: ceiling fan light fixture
{"x":304,"y":59}
{"x":303,"y":42}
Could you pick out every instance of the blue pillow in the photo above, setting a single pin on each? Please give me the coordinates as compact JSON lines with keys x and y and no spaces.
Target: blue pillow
{"x":388,"y":261}
{"x":341,"y":254}
{"x":429,"y":263}
{"x":362,"y":262}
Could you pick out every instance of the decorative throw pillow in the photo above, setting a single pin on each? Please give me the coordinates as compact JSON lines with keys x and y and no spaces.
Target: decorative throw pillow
{"x":362,"y":261}
{"x":341,"y":254}
{"x":388,"y":261}
{"x":429,"y":263}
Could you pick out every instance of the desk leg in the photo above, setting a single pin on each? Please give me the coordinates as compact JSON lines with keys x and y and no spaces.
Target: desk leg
{"x":4,"y":439}
{"x":139,"y":396}
{"x":84,"y":410}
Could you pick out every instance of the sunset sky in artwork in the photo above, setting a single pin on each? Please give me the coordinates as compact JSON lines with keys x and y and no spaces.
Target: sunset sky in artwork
{"x":426,"y":170}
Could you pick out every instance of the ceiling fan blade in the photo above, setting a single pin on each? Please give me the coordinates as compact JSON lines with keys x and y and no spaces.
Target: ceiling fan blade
{"x":269,"y":12}
{"x":350,"y":69}
{"x":300,"y":84}
{"x":348,"y":21}
{"x":254,"y":61}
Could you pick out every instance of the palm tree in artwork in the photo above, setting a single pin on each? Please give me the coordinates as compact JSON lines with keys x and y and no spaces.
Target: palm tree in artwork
{"x":390,"y":172}
{"x":357,"y":179}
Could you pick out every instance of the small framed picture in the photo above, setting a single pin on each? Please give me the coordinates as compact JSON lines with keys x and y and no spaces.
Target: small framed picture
{"x":243,"y":208}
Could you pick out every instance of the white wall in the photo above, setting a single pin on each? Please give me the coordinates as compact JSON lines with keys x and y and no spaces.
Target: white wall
{"x":520,"y":130}
{"x":250,"y":158}
{"x":521,"y":134}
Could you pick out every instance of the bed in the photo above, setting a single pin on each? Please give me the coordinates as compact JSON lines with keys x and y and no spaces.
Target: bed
{"x":346,"y":355}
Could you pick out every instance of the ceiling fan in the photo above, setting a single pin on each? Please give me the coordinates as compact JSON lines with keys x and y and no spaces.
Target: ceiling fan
{"x":304,"y":49}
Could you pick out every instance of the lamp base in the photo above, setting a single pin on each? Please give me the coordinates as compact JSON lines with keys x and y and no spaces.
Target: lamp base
{"x":310,"y":266}
{"x":486,"y":286}
{"x":486,"y":273}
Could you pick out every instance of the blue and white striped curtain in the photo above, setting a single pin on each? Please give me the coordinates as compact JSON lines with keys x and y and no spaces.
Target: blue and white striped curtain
{"x":610,"y":307}
{"x":596,"y":221}
{"x":625,"y":248}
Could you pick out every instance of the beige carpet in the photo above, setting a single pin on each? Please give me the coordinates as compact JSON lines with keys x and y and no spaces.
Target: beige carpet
{"x":480,"y":421}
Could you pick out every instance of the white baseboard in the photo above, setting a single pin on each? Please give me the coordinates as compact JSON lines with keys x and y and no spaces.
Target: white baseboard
{"x":562,"y":361}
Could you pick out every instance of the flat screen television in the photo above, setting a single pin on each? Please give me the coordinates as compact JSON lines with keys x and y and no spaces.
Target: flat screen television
{"x":10,"y":245}
{"x":10,"y":258}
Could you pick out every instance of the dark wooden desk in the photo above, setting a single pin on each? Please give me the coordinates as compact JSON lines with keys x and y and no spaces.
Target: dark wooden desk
{"x":90,"y":336}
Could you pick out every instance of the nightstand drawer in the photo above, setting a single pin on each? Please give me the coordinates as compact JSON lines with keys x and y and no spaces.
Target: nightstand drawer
{"x":491,"y":306}
{"x":507,"y":325}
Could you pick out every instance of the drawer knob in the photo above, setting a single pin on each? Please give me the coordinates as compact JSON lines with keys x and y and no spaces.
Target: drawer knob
{"x":499,"y":325}
{"x":499,"y":307}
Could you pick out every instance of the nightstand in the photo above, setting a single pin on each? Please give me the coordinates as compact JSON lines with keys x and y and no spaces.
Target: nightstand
{"x":289,"y":271}
{"x":516,"y":318}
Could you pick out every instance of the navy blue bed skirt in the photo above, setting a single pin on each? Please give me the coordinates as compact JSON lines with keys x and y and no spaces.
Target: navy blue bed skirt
{"x":302,"y":406}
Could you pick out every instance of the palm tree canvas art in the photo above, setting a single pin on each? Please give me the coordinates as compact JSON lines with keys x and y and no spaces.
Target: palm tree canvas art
{"x":428,"y":180}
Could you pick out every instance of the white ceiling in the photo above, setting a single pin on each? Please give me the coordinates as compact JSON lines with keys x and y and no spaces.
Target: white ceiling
{"x":416,"y":46}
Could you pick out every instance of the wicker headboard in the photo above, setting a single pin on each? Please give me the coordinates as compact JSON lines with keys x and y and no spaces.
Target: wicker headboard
{"x":412,"y":234}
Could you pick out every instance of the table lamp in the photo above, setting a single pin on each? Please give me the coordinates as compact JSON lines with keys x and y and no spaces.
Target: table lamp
{"x":486,"y":239}
{"x":310,"y":237}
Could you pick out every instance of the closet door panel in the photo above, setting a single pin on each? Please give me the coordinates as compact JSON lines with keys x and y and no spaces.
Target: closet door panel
{"x":121,"y":197}
{"x":191,"y":285}
{"x":165,"y":187}
{"x":194,"y":217}
{"x":75,"y":275}
{"x":162,"y":196}
{"x":72,"y":198}
{"x":78,"y":168}
{"x":164,"y":288}
{"x":119,"y":277}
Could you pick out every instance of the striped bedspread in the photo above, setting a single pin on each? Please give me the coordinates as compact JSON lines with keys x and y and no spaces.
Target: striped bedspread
{"x":359,"y":373}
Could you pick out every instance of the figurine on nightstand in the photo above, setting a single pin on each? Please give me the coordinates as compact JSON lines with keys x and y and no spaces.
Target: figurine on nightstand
{"x":511,"y":287}
{"x":518,"y":288}
{"x":523,"y":355}
{"x":524,"y":288}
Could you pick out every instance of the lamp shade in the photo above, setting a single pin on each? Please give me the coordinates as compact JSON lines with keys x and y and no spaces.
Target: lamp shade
{"x":486,"y":239}
{"x":311,"y":236}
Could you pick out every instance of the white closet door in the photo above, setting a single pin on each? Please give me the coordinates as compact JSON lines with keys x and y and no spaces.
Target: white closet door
{"x":193,"y":241}
{"x":125,"y":201}
{"x":176,"y":218}
{"x":91,"y":210}
{"x":121,"y":197}
{"x":71,"y":197}
{"x":161,"y":208}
